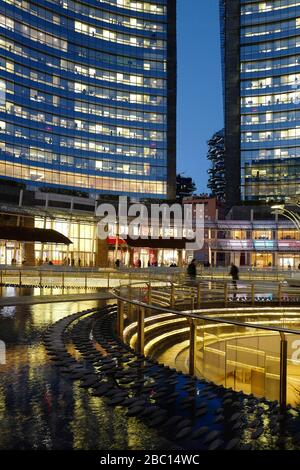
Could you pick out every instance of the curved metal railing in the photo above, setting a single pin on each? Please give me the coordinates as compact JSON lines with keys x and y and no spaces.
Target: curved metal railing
{"x":144,"y":308}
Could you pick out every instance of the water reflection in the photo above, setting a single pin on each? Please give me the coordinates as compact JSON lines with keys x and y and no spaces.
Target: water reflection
{"x":7,"y":312}
{"x":39,"y":409}
{"x":13,"y":291}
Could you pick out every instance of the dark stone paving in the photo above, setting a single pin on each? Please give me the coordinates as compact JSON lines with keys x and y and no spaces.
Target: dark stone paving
{"x":194,"y":414}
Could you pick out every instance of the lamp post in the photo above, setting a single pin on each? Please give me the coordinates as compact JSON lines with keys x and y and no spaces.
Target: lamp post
{"x":288,"y":214}
{"x":294,"y":217}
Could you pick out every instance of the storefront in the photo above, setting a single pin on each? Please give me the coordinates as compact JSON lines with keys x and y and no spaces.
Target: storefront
{"x":10,"y":251}
{"x":81,"y":252}
{"x":142,"y":256}
{"x":17,"y":243}
{"x":255,"y":244}
{"x":262,"y":260}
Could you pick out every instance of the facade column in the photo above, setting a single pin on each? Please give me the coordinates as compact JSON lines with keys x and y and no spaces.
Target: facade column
{"x":101,"y":256}
{"x":29,"y":250}
{"x":180,"y":258}
{"x":131,"y":252}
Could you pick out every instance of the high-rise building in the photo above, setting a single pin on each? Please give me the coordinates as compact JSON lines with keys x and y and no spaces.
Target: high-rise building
{"x":88,"y":95}
{"x":261,"y":64}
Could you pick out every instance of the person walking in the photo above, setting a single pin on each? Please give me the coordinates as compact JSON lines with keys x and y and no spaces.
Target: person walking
{"x":234,"y":273}
{"x":192,"y":269}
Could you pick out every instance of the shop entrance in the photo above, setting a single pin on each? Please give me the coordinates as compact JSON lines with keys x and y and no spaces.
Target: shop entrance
{"x":10,"y":251}
{"x":262,"y":260}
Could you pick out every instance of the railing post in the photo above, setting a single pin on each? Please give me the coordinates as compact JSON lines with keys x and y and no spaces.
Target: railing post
{"x":225,"y":365}
{"x":192,"y":350}
{"x":130,"y":299}
{"x":141,"y":330}
{"x":172,"y":298}
{"x":63,"y":280}
{"x":20,"y":278}
{"x":279,"y":293}
{"x":40,"y":280}
{"x":253,"y":293}
{"x":192,"y":302}
{"x":120,"y":323}
{"x":199,"y":295}
{"x":85,"y":281}
{"x":225,"y":294}
{"x":149,"y":293}
{"x":283,"y":371}
{"x":108,"y":280}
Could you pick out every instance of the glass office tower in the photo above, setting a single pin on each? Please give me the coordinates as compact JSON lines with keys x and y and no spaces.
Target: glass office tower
{"x":88,"y":95}
{"x":264,"y":77}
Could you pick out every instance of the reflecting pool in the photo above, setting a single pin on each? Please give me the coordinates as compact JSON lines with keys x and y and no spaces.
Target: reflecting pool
{"x":40,"y":409}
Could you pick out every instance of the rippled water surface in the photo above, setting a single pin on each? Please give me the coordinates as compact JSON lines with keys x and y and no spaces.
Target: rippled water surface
{"x":39,"y":409}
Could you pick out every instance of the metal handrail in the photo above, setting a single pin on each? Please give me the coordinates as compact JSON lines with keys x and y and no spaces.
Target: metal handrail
{"x":186,"y":313}
{"x":192,"y":317}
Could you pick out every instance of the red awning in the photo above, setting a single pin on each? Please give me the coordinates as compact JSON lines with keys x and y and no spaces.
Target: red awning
{"x":113,"y":241}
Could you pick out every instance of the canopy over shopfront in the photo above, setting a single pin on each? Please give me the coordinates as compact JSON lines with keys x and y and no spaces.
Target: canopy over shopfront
{"x":28,"y":234}
{"x":159,"y":243}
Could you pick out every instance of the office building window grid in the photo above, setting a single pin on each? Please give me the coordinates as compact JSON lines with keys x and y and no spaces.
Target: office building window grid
{"x":83,"y":95}
{"x":270,"y":98}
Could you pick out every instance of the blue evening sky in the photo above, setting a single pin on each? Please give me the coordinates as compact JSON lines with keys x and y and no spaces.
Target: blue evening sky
{"x":200,"y":111}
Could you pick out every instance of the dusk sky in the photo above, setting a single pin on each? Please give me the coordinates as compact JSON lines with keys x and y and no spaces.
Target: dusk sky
{"x":200,"y":111}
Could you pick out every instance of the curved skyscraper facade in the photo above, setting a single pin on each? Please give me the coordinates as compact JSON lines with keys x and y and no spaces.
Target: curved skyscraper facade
{"x":88,"y":95}
{"x":262,"y":99}
{"x":270,"y":93}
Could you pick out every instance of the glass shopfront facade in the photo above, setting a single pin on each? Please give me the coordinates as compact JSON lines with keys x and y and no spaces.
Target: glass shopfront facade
{"x":85,"y":95}
{"x":270,"y":98}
